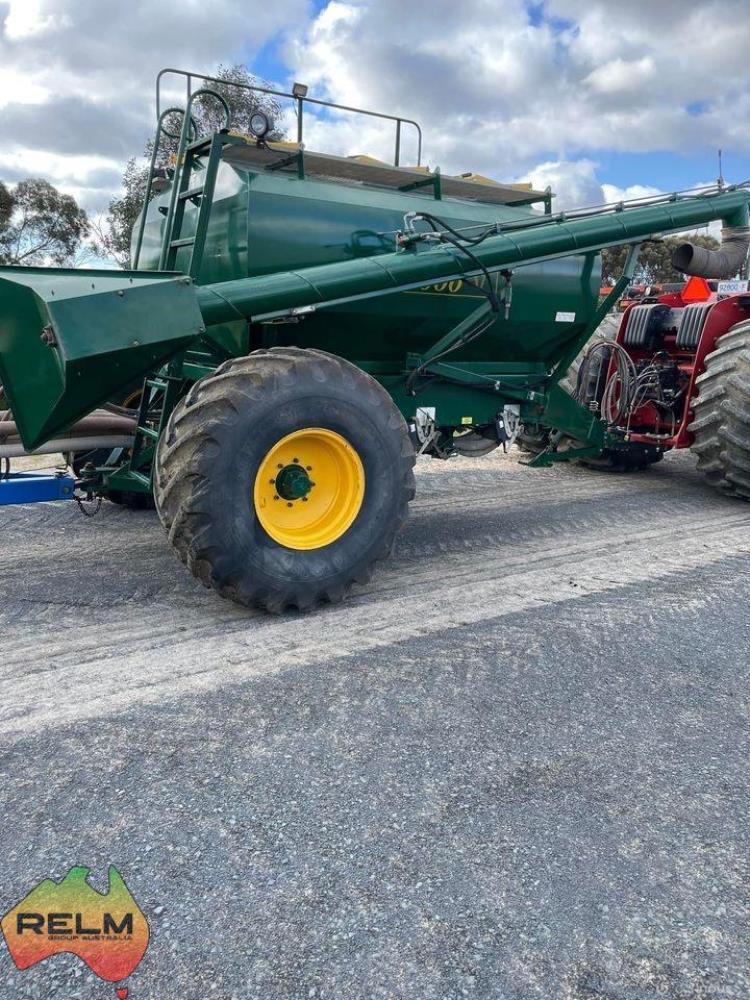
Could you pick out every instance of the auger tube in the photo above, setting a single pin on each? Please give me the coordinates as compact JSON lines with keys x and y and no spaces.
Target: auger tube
{"x":281,"y":294}
{"x":70,"y":340}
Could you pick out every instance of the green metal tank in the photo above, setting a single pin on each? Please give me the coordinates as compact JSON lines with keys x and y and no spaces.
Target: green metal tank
{"x":316,"y":209}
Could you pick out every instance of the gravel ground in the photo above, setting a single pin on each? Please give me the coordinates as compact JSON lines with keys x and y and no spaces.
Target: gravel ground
{"x":513,"y":766}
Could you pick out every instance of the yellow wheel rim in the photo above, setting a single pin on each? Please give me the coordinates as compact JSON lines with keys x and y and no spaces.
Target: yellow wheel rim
{"x":309,"y":488}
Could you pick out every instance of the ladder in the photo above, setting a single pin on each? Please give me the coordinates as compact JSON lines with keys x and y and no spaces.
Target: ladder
{"x":167,"y":385}
{"x":196,"y":167}
{"x":194,"y":182}
{"x":187,"y":184}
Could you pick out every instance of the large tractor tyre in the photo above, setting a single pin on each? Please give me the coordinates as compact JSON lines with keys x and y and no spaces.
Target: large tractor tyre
{"x":628,"y":458}
{"x":284,"y":477}
{"x":721,"y":408}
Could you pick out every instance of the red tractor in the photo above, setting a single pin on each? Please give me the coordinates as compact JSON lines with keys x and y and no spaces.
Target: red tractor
{"x":676,"y":374}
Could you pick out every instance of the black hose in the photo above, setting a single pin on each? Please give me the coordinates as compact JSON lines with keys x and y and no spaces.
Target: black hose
{"x":437,"y":224}
{"x":450,"y":235}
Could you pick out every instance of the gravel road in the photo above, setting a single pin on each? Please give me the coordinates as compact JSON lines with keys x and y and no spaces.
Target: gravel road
{"x":513,"y":766}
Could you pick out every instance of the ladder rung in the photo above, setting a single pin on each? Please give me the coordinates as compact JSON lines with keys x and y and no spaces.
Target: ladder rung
{"x":186,"y":241}
{"x":149,"y":432}
{"x":199,"y":144}
{"x":191,"y":193}
{"x":156,"y":383}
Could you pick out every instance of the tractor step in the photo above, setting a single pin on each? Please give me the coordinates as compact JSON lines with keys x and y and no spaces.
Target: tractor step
{"x":199,"y":145}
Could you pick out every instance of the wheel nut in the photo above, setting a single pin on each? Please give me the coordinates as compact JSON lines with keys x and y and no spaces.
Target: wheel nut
{"x":295,"y":461}
{"x":272,"y":482}
{"x":309,"y":468}
{"x":304,"y":499}
{"x":276,"y":498}
{"x":290,"y":505}
{"x":279,"y":466}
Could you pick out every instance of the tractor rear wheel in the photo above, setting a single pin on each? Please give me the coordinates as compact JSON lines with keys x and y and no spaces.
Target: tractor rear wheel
{"x":284,"y":477}
{"x":721,"y":408}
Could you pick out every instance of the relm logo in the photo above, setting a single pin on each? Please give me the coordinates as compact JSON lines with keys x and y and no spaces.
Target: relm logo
{"x":108,"y":932}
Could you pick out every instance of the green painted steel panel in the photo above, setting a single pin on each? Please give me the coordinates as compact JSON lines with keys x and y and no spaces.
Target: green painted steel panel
{"x":69,"y":340}
{"x":557,"y":293}
{"x":266,"y":222}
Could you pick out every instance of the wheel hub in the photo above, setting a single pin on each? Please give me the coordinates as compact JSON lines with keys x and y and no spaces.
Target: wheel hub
{"x":293,"y":483}
{"x":309,"y":488}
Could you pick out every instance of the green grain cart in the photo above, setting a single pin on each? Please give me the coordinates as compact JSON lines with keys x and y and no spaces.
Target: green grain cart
{"x":297,"y":327}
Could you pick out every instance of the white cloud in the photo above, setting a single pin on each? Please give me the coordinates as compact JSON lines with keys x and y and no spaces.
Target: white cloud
{"x":495,"y":93}
{"x":76,"y":76}
{"x":622,"y":76}
{"x":26,"y":18}
{"x":17,"y":87}
{"x":511,"y":100}
{"x":575,"y":182}
{"x":613,"y":194}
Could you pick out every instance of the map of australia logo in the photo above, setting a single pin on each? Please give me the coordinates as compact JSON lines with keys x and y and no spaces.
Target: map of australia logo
{"x":106,"y":931}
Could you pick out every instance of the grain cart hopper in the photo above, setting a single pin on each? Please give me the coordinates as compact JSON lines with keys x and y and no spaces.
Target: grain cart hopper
{"x":297,"y":327}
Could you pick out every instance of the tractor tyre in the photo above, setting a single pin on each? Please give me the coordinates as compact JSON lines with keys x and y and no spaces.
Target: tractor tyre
{"x":530,"y":441}
{"x":721,"y":408}
{"x":283,"y":478}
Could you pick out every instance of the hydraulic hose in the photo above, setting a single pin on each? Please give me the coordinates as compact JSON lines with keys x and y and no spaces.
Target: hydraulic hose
{"x":99,"y":422}
{"x":722,"y":263}
{"x":110,"y":441}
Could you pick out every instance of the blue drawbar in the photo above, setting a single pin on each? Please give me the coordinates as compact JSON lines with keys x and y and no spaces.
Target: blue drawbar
{"x":30,"y":487}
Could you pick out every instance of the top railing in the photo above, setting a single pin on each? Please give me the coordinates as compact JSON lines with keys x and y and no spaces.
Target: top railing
{"x":299,"y":99}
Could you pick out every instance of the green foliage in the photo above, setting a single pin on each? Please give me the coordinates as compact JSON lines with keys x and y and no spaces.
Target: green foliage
{"x":655,"y":261}
{"x":39,"y":225}
{"x":6,"y":207}
{"x":208,"y":114}
{"x":112,"y":234}
{"x":114,"y":231}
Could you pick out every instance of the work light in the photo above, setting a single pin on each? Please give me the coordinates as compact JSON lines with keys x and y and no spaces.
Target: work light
{"x":259,"y":124}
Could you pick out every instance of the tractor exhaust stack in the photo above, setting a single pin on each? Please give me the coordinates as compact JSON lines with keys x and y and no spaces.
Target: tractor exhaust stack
{"x":725,"y":262}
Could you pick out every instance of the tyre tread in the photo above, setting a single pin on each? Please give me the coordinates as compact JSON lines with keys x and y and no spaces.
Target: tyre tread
{"x":183,"y":460}
{"x":721,"y":414}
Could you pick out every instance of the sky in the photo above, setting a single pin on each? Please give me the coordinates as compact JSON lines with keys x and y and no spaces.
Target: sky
{"x":599,"y":100}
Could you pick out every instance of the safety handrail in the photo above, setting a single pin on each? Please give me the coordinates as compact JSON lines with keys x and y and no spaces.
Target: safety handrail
{"x":187,"y":123}
{"x":300,"y":101}
{"x":160,"y":130}
{"x":607,"y":208}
